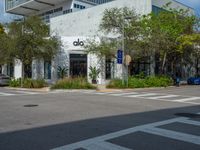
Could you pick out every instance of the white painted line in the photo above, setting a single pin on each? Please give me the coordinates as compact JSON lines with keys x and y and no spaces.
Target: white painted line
{"x":122,"y":94}
{"x":187,"y":99}
{"x":26,"y":92}
{"x":165,"y":96}
{"x":6,"y":94}
{"x":104,"y":146}
{"x":142,"y":95}
{"x":192,"y":122}
{"x":117,"y":134}
{"x":174,"y":135}
{"x":104,"y":93}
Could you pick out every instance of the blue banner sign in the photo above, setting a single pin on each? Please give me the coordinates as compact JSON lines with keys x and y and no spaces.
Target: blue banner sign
{"x":119,"y":56}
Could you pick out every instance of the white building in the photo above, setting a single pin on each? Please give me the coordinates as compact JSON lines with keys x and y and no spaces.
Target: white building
{"x":74,"y":26}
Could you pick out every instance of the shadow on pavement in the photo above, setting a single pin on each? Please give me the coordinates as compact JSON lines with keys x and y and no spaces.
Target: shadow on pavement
{"x":52,"y":136}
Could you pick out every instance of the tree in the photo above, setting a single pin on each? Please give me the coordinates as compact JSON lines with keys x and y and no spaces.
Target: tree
{"x":152,"y":35}
{"x":191,"y":43}
{"x":122,"y":23}
{"x":30,"y":40}
{"x":161,"y":33}
{"x":4,"y":46}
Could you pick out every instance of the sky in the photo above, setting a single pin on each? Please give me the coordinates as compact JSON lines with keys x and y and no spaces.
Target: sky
{"x":4,"y":17}
{"x":192,"y":3}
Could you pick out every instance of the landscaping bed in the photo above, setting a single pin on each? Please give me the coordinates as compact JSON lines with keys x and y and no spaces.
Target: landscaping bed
{"x":28,"y":83}
{"x":73,"y":83}
{"x":145,"y":82}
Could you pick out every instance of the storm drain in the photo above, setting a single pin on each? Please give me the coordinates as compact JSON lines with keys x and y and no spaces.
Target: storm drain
{"x":31,"y":105}
{"x":189,"y":115}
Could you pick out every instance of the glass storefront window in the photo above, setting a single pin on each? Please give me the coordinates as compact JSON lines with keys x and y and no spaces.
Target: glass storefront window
{"x":47,"y":70}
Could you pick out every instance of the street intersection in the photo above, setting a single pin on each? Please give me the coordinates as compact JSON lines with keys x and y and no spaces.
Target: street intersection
{"x":145,"y":119}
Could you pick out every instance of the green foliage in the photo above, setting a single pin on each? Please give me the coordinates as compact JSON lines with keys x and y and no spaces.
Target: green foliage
{"x":15,"y":82}
{"x":135,"y":82}
{"x":2,"y":29}
{"x":164,"y":34}
{"x":116,"y":83}
{"x":29,"y":39}
{"x":62,"y":72}
{"x":28,"y":83}
{"x":104,"y":48}
{"x":73,"y":83}
{"x":94,"y":73}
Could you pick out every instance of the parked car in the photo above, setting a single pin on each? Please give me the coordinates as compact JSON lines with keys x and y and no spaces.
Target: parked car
{"x":4,"y":79}
{"x":194,"y":81}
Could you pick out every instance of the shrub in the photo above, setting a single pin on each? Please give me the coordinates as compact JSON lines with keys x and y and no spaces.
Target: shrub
{"x":15,"y":83}
{"x":73,"y":83}
{"x":136,"y":82}
{"x":116,"y":83}
{"x":28,"y":83}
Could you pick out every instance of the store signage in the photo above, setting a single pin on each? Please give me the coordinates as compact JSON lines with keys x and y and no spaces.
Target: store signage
{"x":119,"y":56}
{"x":78,"y":43}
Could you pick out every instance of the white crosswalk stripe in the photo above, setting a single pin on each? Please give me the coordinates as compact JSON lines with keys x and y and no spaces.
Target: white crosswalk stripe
{"x":102,"y":142}
{"x":153,"y":96}
{"x":5,"y":94}
{"x":17,"y":93}
{"x":142,"y":95}
{"x":165,"y":96}
{"x":187,"y":99}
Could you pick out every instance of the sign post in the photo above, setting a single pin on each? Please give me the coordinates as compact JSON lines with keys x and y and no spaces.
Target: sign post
{"x":120,"y":57}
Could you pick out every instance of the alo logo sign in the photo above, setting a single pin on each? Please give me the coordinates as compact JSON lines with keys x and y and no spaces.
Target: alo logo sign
{"x":78,"y":43}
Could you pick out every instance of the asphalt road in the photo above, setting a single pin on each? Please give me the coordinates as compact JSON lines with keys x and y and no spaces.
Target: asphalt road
{"x":152,"y":119}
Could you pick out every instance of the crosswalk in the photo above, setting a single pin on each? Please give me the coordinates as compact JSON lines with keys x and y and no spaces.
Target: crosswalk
{"x":151,"y":96}
{"x":17,"y":93}
{"x":153,"y":129}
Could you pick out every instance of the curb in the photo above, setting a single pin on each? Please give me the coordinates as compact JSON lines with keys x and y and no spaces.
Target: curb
{"x":46,"y":89}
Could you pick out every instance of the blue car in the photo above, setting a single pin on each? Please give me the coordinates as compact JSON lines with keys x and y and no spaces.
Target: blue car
{"x":194,"y":81}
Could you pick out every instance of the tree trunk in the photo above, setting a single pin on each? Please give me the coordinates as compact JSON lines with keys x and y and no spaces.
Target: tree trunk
{"x":163,"y":63}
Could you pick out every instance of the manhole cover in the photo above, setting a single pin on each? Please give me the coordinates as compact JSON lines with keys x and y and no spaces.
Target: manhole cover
{"x":189,"y":115}
{"x":31,"y":105}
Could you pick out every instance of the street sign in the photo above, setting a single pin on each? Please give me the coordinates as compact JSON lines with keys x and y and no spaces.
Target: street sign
{"x":119,"y":56}
{"x":127,"y":59}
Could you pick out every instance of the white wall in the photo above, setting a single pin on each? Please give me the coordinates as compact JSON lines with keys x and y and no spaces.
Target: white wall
{"x":17,"y":68}
{"x":86,"y":22}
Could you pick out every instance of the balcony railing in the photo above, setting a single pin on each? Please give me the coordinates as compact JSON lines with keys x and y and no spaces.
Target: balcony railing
{"x":12,"y":3}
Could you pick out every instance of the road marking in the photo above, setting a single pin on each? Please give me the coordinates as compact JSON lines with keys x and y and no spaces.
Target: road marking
{"x":187,"y":99}
{"x":6,"y":94}
{"x":122,"y":94}
{"x":105,"y":146}
{"x":104,"y":93}
{"x":191,"y":122}
{"x":174,"y":135}
{"x":165,"y":96}
{"x":148,"y":128}
{"x":152,"y":96}
{"x":142,"y":95}
{"x":26,"y":92}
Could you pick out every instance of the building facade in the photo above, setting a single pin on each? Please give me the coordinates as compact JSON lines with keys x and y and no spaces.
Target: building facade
{"x":76,"y":21}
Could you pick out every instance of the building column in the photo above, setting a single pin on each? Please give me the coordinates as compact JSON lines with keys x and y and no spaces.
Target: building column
{"x":4,"y":69}
{"x":17,"y":68}
{"x":38,"y":69}
{"x":152,"y":65}
{"x":94,"y":61}
{"x":118,"y":73}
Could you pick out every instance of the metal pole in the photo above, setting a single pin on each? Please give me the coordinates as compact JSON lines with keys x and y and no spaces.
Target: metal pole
{"x":125,"y":66}
{"x":123,"y":47}
{"x":22,"y":71}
